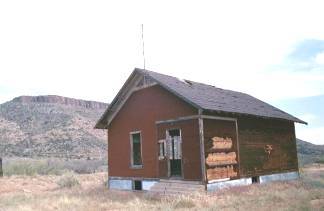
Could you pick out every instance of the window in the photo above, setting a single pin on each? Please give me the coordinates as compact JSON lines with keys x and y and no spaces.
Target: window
{"x":136,"y":151}
{"x":137,"y":185}
{"x":255,"y":179}
{"x":162,"y":149}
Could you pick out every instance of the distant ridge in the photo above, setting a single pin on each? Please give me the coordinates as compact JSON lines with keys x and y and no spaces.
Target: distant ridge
{"x":51,"y":126}
{"x":309,"y":153}
{"x":60,"y":100}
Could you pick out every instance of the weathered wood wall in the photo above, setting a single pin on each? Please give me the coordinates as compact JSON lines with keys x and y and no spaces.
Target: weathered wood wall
{"x":220,"y":149}
{"x":139,"y":113}
{"x":266,"y":146}
{"x":191,"y":163}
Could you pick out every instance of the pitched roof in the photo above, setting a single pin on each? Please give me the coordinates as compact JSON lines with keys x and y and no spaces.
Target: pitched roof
{"x":210,"y":98}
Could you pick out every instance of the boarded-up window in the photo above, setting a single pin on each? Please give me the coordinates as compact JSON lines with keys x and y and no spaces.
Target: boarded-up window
{"x":136,"y":149}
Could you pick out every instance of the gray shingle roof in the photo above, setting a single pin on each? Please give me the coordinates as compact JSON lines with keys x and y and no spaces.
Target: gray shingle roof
{"x":208,"y":97}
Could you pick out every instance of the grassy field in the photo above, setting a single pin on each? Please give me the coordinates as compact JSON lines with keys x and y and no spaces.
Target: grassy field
{"x":52,"y":166}
{"x":87,"y":192}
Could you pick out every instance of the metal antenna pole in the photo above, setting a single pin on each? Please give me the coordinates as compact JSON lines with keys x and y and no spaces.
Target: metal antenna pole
{"x":143,"y":45}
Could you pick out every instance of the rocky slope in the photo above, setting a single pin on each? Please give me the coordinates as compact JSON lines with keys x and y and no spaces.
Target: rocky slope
{"x":309,"y":153}
{"x":51,"y":126}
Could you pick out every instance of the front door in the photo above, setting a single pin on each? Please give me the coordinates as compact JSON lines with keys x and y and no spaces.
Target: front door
{"x":175,"y":154}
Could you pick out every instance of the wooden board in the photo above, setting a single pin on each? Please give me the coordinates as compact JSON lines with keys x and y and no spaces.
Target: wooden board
{"x":266,"y":146}
{"x":220,"y":149}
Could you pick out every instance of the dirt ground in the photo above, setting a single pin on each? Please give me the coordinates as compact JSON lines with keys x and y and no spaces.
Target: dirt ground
{"x":45,"y":193}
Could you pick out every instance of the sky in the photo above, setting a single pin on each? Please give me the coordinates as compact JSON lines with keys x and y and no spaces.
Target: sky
{"x":273,"y":50}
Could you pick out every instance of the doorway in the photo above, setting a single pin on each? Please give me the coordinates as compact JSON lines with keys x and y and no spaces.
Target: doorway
{"x":175,"y":152}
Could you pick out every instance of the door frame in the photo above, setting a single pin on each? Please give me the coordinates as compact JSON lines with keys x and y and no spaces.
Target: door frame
{"x":168,"y":158}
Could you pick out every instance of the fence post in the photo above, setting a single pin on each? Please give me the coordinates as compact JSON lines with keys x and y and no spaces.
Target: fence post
{"x":1,"y":172}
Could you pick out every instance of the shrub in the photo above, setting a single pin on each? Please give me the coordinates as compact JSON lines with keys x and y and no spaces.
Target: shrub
{"x":31,"y":167}
{"x":320,"y":160}
{"x":85,"y":166}
{"x":67,"y":181}
{"x":184,"y":203}
{"x":52,"y":166}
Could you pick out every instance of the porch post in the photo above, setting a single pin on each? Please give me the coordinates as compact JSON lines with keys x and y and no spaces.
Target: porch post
{"x":202,"y":147}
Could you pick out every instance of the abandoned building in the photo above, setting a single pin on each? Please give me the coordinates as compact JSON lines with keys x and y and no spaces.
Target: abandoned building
{"x":166,"y":133}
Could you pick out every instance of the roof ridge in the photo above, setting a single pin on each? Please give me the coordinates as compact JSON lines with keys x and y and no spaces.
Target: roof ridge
{"x":254,"y":106}
{"x":205,"y":84}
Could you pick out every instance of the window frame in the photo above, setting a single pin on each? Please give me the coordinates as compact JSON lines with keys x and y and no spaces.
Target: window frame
{"x":162,"y":142}
{"x":132,"y":165}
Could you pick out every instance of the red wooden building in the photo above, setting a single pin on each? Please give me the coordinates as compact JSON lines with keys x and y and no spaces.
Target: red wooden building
{"x":162,"y":129}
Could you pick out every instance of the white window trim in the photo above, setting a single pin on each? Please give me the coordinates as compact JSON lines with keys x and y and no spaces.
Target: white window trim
{"x":131,"y":150}
{"x":168,"y":137}
{"x":162,"y":141}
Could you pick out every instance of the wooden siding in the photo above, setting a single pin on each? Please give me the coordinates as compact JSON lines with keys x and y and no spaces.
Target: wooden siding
{"x":139,"y":113}
{"x":191,"y":164}
{"x":266,"y":146}
{"x":221,"y":162}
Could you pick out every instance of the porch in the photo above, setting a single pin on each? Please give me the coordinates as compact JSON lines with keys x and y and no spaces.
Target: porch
{"x":198,"y":148}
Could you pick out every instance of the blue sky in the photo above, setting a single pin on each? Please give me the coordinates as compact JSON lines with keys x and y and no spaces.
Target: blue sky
{"x":273,"y":50}
{"x":306,"y":51}
{"x":310,"y":109}
{"x":307,"y":57}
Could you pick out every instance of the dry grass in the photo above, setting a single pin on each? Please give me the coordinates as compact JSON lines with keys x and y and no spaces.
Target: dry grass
{"x":51,"y":166}
{"x":43,"y":193}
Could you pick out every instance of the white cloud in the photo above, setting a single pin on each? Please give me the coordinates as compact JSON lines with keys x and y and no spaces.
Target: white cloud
{"x":313,"y":135}
{"x":308,"y":117}
{"x":87,"y":49}
{"x":320,"y":58}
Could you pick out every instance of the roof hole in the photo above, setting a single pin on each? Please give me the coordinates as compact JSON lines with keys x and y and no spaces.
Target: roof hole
{"x":185,"y":81}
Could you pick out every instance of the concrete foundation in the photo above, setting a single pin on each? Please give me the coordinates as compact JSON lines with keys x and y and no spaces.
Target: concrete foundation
{"x":248,"y":181}
{"x":230,"y":183}
{"x":120,"y":184}
{"x":147,"y":184}
{"x":279,"y":177}
{"x":127,"y":184}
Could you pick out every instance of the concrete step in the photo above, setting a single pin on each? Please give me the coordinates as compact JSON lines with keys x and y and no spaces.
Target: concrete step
{"x":180,"y":181}
{"x":179,"y":184}
{"x":177,"y":187}
{"x":171,"y":192}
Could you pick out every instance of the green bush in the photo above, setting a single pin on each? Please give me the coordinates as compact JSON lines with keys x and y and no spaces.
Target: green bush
{"x":68,"y":181}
